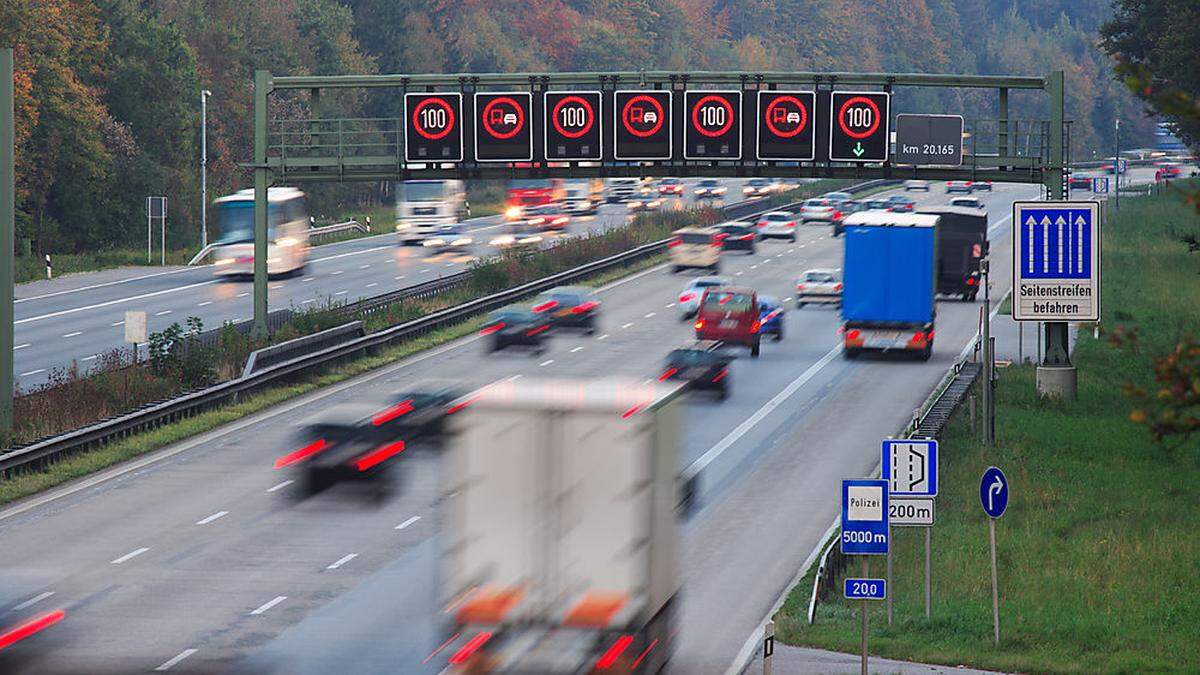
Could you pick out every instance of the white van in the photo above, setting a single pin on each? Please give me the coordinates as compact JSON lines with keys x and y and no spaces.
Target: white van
{"x":692,"y":247}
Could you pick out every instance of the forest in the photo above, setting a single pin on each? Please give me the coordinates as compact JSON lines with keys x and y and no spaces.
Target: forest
{"x":108,"y":91}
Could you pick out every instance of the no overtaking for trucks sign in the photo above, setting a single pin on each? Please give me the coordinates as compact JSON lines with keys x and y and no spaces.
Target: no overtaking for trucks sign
{"x":1056,"y":261}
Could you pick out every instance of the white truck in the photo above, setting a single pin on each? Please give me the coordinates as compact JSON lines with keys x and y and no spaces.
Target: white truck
{"x":584,"y":196}
{"x":422,"y":206}
{"x":559,"y":503}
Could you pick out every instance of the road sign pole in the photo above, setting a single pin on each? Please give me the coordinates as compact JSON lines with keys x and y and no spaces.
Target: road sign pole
{"x":889,"y":577}
{"x":928,"y":567}
{"x":262,"y":83}
{"x":987,"y":355}
{"x":1056,"y":377}
{"x":995,"y":591}
{"x":866,"y":572}
{"x":7,"y":226}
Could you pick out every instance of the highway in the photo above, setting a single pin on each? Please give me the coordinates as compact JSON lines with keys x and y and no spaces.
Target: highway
{"x":196,"y":558}
{"x":75,"y":319}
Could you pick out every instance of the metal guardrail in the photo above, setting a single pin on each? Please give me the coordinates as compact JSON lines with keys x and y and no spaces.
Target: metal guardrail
{"x":290,"y":349}
{"x":39,"y":454}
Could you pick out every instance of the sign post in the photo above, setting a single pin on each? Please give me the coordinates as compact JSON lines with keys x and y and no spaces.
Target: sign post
{"x":993,"y":496}
{"x":910,"y":466}
{"x":7,"y":232}
{"x":1056,"y":279}
{"x":865,"y":532}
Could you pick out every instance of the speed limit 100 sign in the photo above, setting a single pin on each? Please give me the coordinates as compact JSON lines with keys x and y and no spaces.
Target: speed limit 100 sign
{"x":572,"y":125}
{"x":713,"y":124}
{"x":433,"y":127}
{"x":859,"y":130}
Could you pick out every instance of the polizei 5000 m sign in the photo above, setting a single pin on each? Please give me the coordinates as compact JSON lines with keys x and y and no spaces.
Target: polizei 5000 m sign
{"x":1056,"y":261}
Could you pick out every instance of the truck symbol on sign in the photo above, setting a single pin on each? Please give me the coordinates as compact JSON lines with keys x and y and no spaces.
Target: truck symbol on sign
{"x":779,"y":115}
{"x":640,"y":115}
{"x":501,"y":117}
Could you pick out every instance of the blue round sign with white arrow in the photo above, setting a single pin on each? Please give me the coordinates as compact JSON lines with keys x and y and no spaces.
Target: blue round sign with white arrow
{"x":993,"y":492}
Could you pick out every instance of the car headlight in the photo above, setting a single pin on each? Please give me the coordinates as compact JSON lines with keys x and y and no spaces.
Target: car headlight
{"x":512,"y":212}
{"x":463,"y":241}
{"x":432,"y":242}
{"x":286,"y":241}
{"x":224,"y":261}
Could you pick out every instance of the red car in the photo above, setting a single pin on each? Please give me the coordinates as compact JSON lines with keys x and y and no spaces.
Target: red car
{"x":730,"y":314}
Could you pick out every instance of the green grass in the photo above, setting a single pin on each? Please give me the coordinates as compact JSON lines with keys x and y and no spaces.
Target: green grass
{"x":33,"y":268}
{"x":1097,"y":551}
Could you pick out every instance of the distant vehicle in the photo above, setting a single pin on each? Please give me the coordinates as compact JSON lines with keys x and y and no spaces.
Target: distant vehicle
{"x":559,"y":499}
{"x":517,"y":237}
{"x":771,"y":315}
{"x":877,"y":204}
{"x":967,"y":203}
{"x":981,"y":186}
{"x":1080,"y":181}
{"x":817,"y":209}
{"x":288,"y":224}
{"x":695,"y":247}
{"x":670,"y":186}
{"x":958,"y":186}
{"x":757,"y":187}
{"x":345,"y":444}
{"x":778,"y":224}
{"x":569,"y":307}
{"x":583,"y":196}
{"x":701,"y":365}
{"x":709,"y":188}
{"x":449,"y":237}
{"x":623,"y":189}
{"x":837,"y":197}
{"x":730,"y":314}
{"x":844,"y":209}
{"x":818,"y":286}
{"x":1170,"y":171}
{"x":737,"y":236}
{"x":424,"y":205}
{"x":916,"y":185}
{"x":526,"y":193}
{"x":890,"y":276}
{"x":901,"y":204}
{"x":689,"y":297}
{"x":644,"y":203}
{"x":26,"y":628}
{"x":516,"y":326}
{"x":547,"y":217}
{"x":962,"y":244}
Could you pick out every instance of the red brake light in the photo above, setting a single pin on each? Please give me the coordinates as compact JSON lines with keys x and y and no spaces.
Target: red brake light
{"x":747,"y":237}
{"x":837,"y":215}
{"x":918,"y":336}
{"x":755,"y":326}
{"x":721,"y":375}
{"x":762,"y":223}
{"x":470,"y":648}
{"x":614,"y":652}
{"x":546,"y":306}
{"x":976,"y":250}
{"x":837,"y":286}
{"x":379,"y":455}
{"x":34,"y":625}
{"x":970,"y":281}
{"x":687,"y":297}
{"x":799,"y":287}
{"x":401,"y":408}
{"x":534,"y":331}
{"x":301,"y":454}
{"x":853,"y":334}
{"x":667,"y":374}
{"x":791,"y":223}
{"x":699,"y":324}
{"x":674,"y":242}
{"x":584,"y":307}
{"x":488,"y":330}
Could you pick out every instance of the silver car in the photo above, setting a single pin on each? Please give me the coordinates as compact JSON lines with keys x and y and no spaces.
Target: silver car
{"x":689,"y":297}
{"x":817,"y":209}
{"x":819,"y":285}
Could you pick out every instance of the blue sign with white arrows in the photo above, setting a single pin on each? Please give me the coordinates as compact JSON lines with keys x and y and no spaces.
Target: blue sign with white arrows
{"x":1056,"y":261}
{"x":865,"y":517}
{"x":865,"y":589}
{"x":993,"y":492}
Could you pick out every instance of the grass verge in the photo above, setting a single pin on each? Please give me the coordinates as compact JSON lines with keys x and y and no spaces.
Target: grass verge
{"x":1097,"y":550}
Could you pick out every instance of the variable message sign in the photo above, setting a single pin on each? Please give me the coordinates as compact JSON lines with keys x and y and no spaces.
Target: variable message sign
{"x":572,"y":125}
{"x":503,"y":128}
{"x":713,"y":128}
{"x":433,"y":128}
{"x":642,"y":129}
{"x":786,"y":125}
{"x":859,"y":129}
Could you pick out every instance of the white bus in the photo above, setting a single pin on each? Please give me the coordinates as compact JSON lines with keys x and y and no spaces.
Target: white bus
{"x":288,"y":223}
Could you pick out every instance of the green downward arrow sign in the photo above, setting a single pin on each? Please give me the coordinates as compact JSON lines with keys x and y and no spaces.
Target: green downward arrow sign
{"x":858,"y":149}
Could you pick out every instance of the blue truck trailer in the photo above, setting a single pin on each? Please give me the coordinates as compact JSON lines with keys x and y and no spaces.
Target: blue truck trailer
{"x":890,"y":278}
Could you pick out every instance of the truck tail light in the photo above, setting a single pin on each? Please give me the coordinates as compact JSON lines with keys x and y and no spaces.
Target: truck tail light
{"x":837,"y":287}
{"x":970,"y":281}
{"x":976,"y":250}
{"x":699,"y":325}
{"x":853,"y":334}
{"x":755,"y":326}
{"x":674,"y":242}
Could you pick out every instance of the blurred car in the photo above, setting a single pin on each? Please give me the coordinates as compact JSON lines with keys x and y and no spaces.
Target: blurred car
{"x":689,"y":297}
{"x":771,"y":314}
{"x":709,"y":188}
{"x":516,"y":326}
{"x":701,"y":365}
{"x":692,"y":247}
{"x":547,"y":217}
{"x":843,"y":210}
{"x":819,"y":286}
{"x":670,"y":186}
{"x":344,"y":444}
{"x":817,"y":209}
{"x":901,"y":204}
{"x":569,"y":307}
{"x":1080,"y":181}
{"x":24,"y":622}
{"x":958,"y":186}
{"x":419,"y":410}
{"x":981,"y":186}
{"x":448,"y":237}
{"x":737,"y":236}
{"x":779,"y":224}
{"x":757,"y":187}
{"x":644,"y":203}
{"x":916,"y":185}
{"x":877,"y":204}
{"x":967,"y":203}
{"x":729,"y":314}
{"x":1169,"y":171}
{"x":837,"y":197}
{"x":519,"y":234}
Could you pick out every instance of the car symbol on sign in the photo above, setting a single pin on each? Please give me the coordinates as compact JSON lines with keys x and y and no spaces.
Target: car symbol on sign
{"x":640,"y":115}
{"x":501,"y":117}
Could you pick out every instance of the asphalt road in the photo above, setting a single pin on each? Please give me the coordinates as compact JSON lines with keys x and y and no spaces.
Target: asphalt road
{"x":196,"y":559}
{"x":77,"y":319}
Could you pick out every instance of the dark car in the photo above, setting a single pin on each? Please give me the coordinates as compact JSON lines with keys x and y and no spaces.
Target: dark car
{"x":417,"y":412}
{"x":901,"y":204}
{"x":516,"y":326}
{"x":843,"y":210}
{"x":569,"y":307}
{"x":770,"y":317}
{"x":1079,"y":181}
{"x":878,"y":204}
{"x":737,"y":236}
{"x":701,"y":365}
{"x":344,"y":444}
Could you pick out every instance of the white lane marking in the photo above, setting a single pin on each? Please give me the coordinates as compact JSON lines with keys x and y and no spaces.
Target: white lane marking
{"x":406,"y":523}
{"x":107,"y":283}
{"x":93,"y":357}
{"x":275,"y":287}
{"x":670,"y":305}
{"x":790,"y":250}
{"x":33,"y":601}
{"x":341,"y":293}
{"x":778,"y":255}
{"x":766,"y":261}
{"x":118,"y":323}
{"x":337,"y":272}
{"x":163,"y":313}
{"x":363,"y":267}
{"x":343,"y":255}
{"x":546,"y":362}
{"x":305,"y":302}
{"x":576,"y":349}
{"x":739,"y":274}
{"x":242,"y":295}
{"x":27,"y":344}
{"x":803,"y":245}
{"x":129,"y":556}
{"x":307,"y":278}
{"x":398,"y":278}
{"x":788,"y":299}
{"x":75,"y":334}
{"x":281,"y":485}
{"x":268,"y":605}
{"x":372,"y":284}
{"x":767,"y":408}
{"x":754,"y":267}
{"x":650,"y":315}
{"x":423,"y":272}
{"x":33,"y":372}
{"x":602,"y":337}
{"x":996,"y":225}
{"x":218,"y":514}
{"x":627,"y":325}
{"x":175,"y":661}
{"x":206,"y":303}
{"x":344,"y":559}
